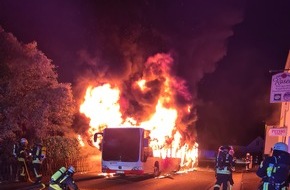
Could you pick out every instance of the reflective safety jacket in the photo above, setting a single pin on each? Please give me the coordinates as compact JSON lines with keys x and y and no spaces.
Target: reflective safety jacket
{"x":274,"y":172}
{"x":224,"y":163}
{"x":38,"y":154}
{"x":224,"y":170}
{"x":23,"y":154}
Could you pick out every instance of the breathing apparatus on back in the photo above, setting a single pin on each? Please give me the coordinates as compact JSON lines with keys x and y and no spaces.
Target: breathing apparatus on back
{"x":57,"y":175}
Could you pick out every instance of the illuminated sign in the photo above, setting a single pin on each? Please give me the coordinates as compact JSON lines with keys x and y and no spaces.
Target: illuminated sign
{"x":280,"y":88}
{"x":278,"y":132}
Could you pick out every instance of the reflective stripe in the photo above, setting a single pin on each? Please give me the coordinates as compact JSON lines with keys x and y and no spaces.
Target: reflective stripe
{"x":36,"y":173}
{"x":223,"y":171}
{"x":37,"y":161}
{"x":21,"y":159}
{"x":37,"y":151}
{"x":280,"y":186}
{"x":261,"y":164}
{"x":217,"y":185}
{"x":265,"y":185}
{"x":22,"y":172}
{"x":55,"y":187}
{"x":63,"y":179}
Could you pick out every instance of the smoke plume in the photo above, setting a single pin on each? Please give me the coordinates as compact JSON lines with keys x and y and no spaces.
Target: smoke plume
{"x":187,"y":37}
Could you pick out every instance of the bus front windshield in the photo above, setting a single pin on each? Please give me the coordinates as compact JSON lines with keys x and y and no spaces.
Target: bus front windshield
{"x":121,"y":144}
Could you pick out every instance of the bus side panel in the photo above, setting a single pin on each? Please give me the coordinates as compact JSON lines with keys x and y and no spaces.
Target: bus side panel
{"x":170,"y":165}
{"x":166,"y":165}
{"x":148,"y":166}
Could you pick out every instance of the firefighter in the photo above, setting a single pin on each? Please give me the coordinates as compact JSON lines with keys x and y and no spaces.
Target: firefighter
{"x":63,"y":179}
{"x":248,"y":161}
{"x":14,"y":161}
{"x":274,"y":170}
{"x":38,"y":155}
{"x":232,"y":152}
{"x":256,"y":161}
{"x":224,"y":165}
{"x":22,"y":156}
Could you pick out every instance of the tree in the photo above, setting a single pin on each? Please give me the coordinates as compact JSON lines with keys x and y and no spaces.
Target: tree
{"x":32,"y":102}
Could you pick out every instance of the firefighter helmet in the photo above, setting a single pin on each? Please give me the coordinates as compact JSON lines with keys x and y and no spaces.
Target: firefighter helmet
{"x":23,"y":141}
{"x":281,"y":146}
{"x":224,"y":148}
{"x":71,"y":170}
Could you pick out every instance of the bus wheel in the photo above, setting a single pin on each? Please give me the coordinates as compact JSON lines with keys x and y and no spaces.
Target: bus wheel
{"x":156,"y":172}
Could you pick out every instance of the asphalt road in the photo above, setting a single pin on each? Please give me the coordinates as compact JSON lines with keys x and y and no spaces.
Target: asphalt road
{"x":200,"y":179}
{"x":190,"y":180}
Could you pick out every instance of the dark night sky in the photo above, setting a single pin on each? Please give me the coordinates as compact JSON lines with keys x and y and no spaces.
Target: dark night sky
{"x":223,"y":49}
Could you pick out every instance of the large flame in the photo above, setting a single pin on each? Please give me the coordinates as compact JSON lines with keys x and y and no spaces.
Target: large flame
{"x":102,"y":106}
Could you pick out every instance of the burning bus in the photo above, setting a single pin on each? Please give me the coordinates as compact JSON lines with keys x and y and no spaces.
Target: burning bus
{"x":156,"y":104}
{"x":126,"y":151}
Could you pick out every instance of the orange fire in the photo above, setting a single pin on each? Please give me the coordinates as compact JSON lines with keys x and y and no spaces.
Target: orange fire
{"x":102,"y":106}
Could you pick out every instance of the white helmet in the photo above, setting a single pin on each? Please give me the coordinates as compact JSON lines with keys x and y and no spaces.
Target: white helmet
{"x":24,"y":141}
{"x":281,"y":146}
{"x":71,"y":169}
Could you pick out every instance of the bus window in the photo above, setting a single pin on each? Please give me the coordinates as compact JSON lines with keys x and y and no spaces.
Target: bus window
{"x":118,"y":146}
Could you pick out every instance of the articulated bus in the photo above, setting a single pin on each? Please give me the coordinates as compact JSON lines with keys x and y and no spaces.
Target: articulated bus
{"x":125,"y":151}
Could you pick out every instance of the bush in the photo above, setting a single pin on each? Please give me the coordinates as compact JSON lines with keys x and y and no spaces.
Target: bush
{"x":61,"y":151}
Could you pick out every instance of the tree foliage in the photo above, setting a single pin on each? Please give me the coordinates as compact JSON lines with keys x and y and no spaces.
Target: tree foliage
{"x":32,"y":102}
